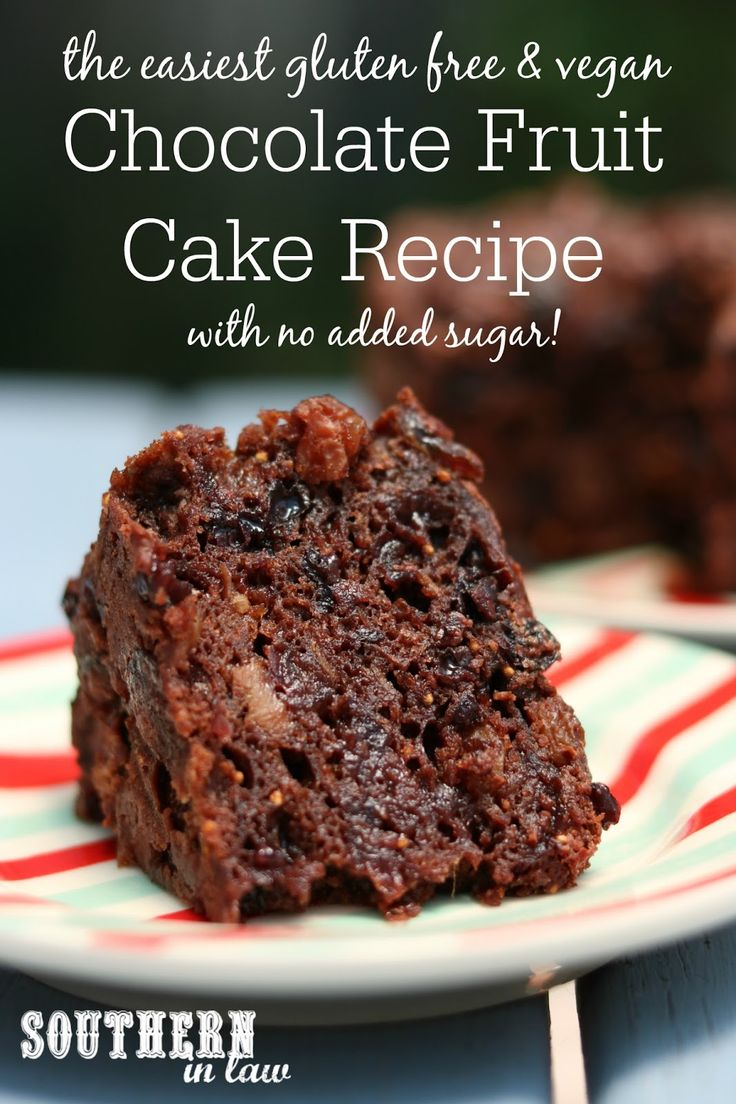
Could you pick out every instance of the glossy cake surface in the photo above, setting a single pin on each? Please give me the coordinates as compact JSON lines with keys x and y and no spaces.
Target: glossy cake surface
{"x":309,"y":673}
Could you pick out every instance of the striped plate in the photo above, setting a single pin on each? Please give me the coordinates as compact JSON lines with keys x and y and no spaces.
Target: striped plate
{"x":660,"y":714}
{"x":635,"y":589}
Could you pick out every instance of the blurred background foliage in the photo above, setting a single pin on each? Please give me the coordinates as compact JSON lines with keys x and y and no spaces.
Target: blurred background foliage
{"x":71,"y":306}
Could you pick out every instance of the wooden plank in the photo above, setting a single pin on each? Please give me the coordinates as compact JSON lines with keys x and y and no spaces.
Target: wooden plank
{"x":567,"y":1062}
{"x":662,"y":1026}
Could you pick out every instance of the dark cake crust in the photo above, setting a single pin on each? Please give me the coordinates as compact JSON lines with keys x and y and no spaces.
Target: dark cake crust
{"x":309,"y":672}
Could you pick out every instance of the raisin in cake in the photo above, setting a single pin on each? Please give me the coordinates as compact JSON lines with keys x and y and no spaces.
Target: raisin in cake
{"x":309,"y":672}
{"x":622,"y":432}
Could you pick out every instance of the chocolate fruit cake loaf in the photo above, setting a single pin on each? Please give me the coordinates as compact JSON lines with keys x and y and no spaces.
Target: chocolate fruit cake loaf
{"x":309,"y":673}
{"x":623,"y":431}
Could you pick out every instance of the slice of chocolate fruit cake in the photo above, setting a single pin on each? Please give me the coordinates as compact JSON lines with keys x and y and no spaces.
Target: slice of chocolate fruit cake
{"x":309,"y":672}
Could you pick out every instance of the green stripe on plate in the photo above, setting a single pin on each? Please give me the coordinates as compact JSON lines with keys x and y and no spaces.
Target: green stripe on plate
{"x":595,"y":717}
{"x":60,"y":816}
{"x":48,"y":696}
{"x":125,"y":885}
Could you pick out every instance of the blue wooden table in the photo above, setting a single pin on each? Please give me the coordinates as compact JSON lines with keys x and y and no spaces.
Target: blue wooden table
{"x":659,"y":1027}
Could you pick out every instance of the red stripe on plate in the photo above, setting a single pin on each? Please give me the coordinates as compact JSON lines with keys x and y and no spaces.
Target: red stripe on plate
{"x":609,"y":642}
{"x":23,"y":899}
{"x":480,"y":935}
{"x":716,"y":809}
{"x":34,"y":644}
{"x":22,"y":771}
{"x":695,"y":598}
{"x":130,"y":941}
{"x":658,"y":894}
{"x":486,"y":935}
{"x":652,"y":742}
{"x":182,"y":914}
{"x":54,"y":862}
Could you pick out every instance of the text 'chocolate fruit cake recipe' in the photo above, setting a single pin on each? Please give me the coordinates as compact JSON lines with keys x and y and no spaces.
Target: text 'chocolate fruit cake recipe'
{"x":309,"y":672}
{"x":623,"y":432}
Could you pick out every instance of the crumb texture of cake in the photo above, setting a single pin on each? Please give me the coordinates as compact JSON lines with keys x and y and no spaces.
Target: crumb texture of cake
{"x":623,"y":431}
{"x":309,"y":673}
